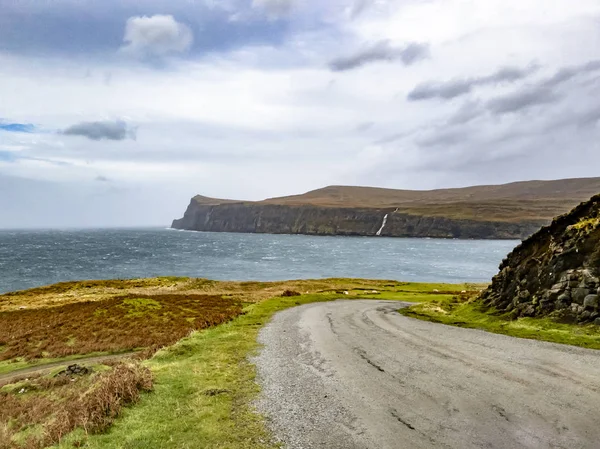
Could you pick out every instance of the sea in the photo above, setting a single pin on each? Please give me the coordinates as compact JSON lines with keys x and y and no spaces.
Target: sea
{"x":32,"y":258}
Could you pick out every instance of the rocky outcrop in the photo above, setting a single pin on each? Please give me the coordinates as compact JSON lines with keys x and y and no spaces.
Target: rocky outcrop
{"x":350,"y":221}
{"x":555,"y":271}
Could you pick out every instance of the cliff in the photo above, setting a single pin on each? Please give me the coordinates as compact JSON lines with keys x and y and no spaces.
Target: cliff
{"x":555,"y":271}
{"x":314,"y":220}
{"x":510,"y":211}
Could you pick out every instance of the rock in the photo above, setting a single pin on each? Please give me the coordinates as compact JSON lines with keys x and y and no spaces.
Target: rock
{"x":529,"y":310}
{"x":576,"y":308}
{"x":578,"y":294}
{"x":591,"y":302}
{"x":524,"y":295}
{"x":556,"y":268}
{"x":565,"y":298}
{"x":597,"y":321}
{"x":75,"y":370}
{"x":553,"y":294}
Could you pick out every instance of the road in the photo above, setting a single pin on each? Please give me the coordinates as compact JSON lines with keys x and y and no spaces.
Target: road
{"x":356,"y":374}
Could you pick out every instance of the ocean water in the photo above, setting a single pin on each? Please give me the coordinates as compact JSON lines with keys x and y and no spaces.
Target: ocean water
{"x":34,"y":258}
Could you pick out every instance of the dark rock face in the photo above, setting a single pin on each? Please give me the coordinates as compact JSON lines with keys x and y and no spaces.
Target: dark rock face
{"x":556,"y":270}
{"x":314,"y":220}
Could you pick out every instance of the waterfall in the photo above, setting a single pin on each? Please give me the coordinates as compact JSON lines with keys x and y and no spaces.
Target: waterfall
{"x":382,"y":225}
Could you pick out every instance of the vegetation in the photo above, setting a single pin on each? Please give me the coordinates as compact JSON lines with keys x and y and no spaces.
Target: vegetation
{"x":519,"y":201}
{"x":39,"y":412}
{"x":112,"y":325}
{"x":204,"y":384}
{"x":466,"y":311}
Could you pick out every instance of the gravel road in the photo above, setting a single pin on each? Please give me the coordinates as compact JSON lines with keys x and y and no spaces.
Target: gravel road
{"x":356,"y":374}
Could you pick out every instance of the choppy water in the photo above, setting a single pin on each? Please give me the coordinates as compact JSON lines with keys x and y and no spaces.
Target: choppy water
{"x":34,"y":258}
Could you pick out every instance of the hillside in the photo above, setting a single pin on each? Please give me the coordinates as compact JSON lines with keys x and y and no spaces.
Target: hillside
{"x":556,"y":270}
{"x":513,"y":210}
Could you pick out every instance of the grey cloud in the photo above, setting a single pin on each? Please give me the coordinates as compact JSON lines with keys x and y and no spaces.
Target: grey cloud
{"x":522,"y":99}
{"x":447,"y":90}
{"x":358,"y":7}
{"x":445,"y":138}
{"x":101,"y":130}
{"x":467,"y":112}
{"x":541,"y":93}
{"x":567,"y":73}
{"x":381,"y":51}
{"x":276,"y":8}
{"x":157,"y":35}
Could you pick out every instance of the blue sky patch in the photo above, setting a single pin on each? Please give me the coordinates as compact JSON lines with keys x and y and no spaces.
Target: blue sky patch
{"x":17,"y":127}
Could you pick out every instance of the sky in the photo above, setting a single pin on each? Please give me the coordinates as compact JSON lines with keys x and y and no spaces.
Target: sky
{"x":116,"y":113}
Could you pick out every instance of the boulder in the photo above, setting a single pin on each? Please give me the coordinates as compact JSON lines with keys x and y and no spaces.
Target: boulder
{"x":591,"y":302}
{"x":578,"y":294}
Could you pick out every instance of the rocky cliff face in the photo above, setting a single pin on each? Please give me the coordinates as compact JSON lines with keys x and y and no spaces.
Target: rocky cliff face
{"x":555,"y":271}
{"x":315,"y":220}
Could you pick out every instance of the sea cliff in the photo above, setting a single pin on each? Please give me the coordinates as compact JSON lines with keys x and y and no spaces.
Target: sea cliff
{"x":315,"y":220}
{"x":508,"y":211}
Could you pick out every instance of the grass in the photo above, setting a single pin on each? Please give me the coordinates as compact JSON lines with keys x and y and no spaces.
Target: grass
{"x":38,"y":412}
{"x":204,"y":385}
{"x":113,"y":325}
{"x":466,"y":311}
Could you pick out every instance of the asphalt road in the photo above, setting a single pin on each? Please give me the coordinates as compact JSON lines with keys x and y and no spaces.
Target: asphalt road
{"x":356,"y":374}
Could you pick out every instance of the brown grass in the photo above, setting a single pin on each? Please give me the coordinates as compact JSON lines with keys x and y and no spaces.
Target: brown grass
{"x":112,"y":325}
{"x":85,"y":291}
{"x":57,"y":406}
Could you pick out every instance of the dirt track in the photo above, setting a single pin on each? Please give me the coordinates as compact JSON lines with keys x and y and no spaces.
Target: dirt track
{"x":49,"y":367}
{"x":356,"y":374}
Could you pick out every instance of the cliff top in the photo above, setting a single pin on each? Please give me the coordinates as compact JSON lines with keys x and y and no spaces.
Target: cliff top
{"x":526,"y":200}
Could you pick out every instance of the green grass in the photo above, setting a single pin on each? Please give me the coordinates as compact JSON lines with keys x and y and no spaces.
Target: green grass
{"x":205,"y":385}
{"x":468,"y":313}
{"x":8,"y":366}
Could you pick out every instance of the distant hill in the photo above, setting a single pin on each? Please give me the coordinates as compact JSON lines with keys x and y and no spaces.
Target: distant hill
{"x":512,"y":210}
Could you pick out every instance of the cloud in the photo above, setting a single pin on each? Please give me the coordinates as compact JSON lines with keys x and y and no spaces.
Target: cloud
{"x":158,"y":35}
{"x":101,"y":178}
{"x":567,"y":73}
{"x":276,"y":8}
{"x":381,"y":51}
{"x":17,"y":127}
{"x":467,"y":112}
{"x":358,"y":8}
{"x":522,"y":99}
{"x":447,"y":90}
{"x":101,"y":130}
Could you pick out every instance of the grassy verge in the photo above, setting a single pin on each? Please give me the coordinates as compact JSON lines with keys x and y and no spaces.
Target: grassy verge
{"x":465,"y":311}
{"x":204,"y":385}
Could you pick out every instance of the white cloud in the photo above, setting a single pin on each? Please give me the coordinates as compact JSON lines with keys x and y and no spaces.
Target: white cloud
{"x":267,"y":120}
{"x":158,"y":35}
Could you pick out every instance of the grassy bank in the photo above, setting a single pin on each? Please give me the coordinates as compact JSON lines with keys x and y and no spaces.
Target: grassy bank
{"x":466,"y":311}
{"x":203,"y":384}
